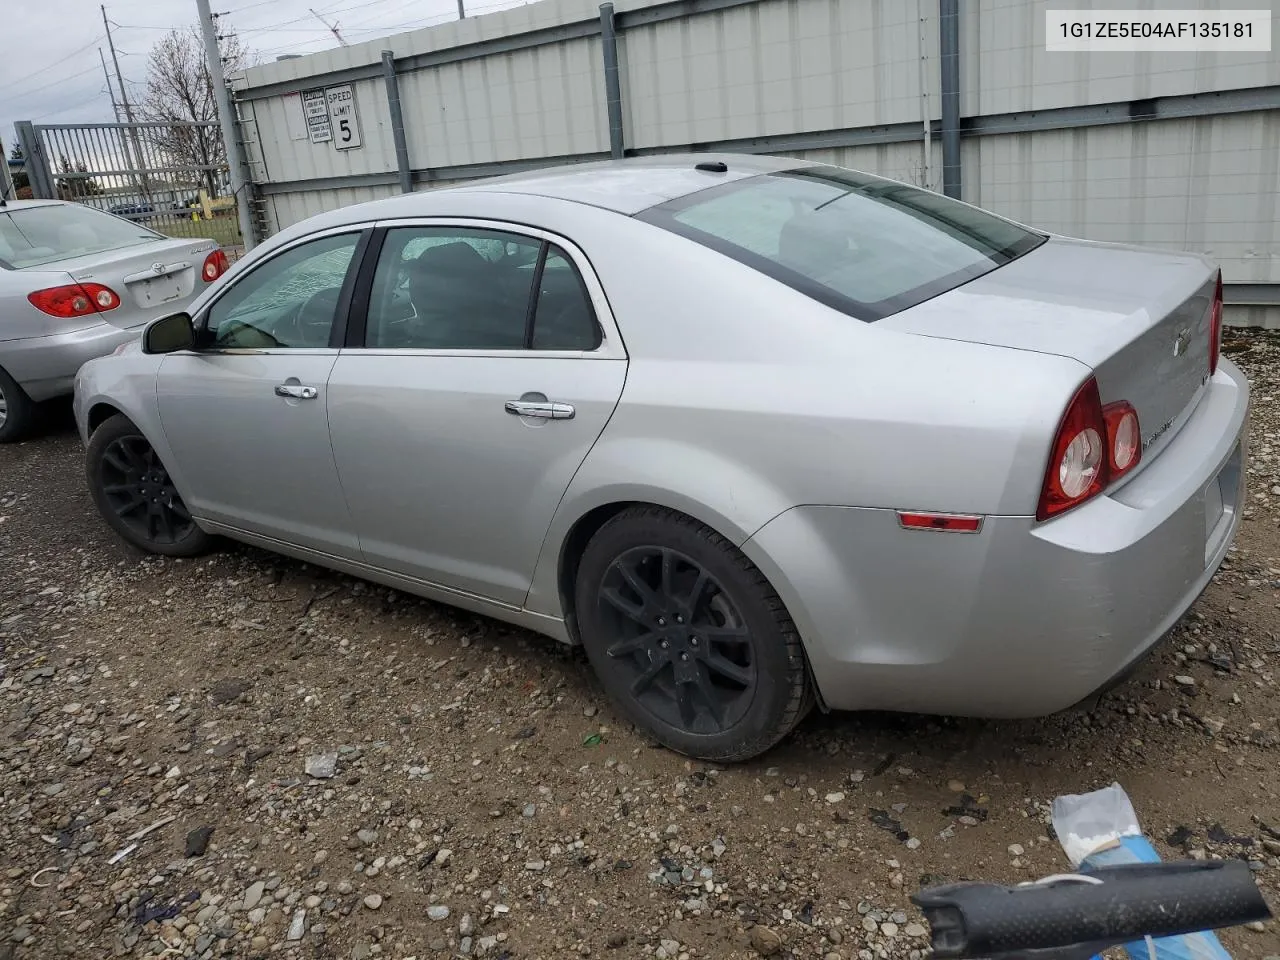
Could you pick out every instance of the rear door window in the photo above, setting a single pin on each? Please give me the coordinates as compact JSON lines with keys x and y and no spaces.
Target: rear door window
{"x":866,"y":246}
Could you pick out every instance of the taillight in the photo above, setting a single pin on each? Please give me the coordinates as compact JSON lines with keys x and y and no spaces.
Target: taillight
{"x":74,"y":300}
{"x":1094,"y":446}
{"x":215,"y":265}
{"x":1215,"y":327}
{"x":1124,"y":438}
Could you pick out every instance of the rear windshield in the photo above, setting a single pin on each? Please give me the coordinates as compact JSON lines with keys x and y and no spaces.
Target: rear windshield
{"x":32,"y":236}
{"x":866,"y":246}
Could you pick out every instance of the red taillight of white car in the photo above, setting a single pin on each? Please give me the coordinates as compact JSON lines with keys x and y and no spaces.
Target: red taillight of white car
{"x":1215,"y":327}
{"x":1095,"y":445}
{"x":74,"y":300}
{"x":215,"y":265}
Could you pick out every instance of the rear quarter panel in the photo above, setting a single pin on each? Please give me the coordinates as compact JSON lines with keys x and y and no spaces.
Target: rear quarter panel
{"x":745,"y":398}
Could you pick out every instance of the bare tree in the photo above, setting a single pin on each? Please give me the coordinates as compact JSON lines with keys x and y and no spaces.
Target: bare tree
{"x":180,"y":91}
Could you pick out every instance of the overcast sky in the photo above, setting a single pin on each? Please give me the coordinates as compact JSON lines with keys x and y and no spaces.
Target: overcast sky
{"x":49,"y":67}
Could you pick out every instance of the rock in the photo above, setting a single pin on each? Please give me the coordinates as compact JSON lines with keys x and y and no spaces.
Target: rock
{"x":229,"y":690}
{"x":361,"y":951}
{"x":297,"y":926}
{"x":19,"y":934}
{"x":1257,"y":926}
{"x":322,"y":766}
{"x":913,"y":843}
{"x":530,"y":811}
{"x":254,"y":895}
{"x":589,"y":711}
{"x":443,"y":857}
{"x":373,"y":901}
{"x":834,"y":797}
{"x":259,"y":945}
{"x":915,"y":930}
{"x":536,"y":866}
{"x":1214,"y":725}
{"x":764,"y":941}
{"x":889,"y":928}
{"x":1016,"y":850}
{"x":438,"y":912}
{"x":198,"y":841}
{"x":1183,"y":680}
{"x":344,"y":888}
{"x":466,"y":926}
{"x":616,"y":940}
{"x":833,"y":955}
{"x":367,"y":837}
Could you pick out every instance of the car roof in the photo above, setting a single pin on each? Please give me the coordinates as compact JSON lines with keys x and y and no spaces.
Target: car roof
{"x":23,"y":204}
{"x":635,"y":184}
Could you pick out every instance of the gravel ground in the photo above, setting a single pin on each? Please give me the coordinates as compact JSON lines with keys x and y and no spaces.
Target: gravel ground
{"x":246,"y":756}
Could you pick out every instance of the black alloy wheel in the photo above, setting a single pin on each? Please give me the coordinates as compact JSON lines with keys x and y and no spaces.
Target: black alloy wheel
{"x":135,"y":494}
{"x":688,"y":637}
{"x":680,"y":638}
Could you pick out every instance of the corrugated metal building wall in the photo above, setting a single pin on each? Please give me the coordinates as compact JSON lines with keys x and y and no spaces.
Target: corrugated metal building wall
{"x":1174,"y":150}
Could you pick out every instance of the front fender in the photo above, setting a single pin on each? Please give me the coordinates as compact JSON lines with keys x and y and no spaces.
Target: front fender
{"x":127,"y":384}
{"x":726,"y":495}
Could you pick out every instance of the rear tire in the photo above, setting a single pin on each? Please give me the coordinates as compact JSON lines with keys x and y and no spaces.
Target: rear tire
{"x":134,"y":494}
{"x":688,"y":638}
{"x":17,"y":410}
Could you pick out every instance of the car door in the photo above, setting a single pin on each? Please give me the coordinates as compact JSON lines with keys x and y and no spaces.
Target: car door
{"x":245,"y":412}
{"x":488,"y":366}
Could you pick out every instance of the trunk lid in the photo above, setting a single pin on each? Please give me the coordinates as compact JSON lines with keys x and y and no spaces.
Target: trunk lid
{"x":149,"y":277}
{"x":1138,"y":318}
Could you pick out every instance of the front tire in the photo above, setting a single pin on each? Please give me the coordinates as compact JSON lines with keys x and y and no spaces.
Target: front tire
{"x":134,"y":494}
{"x":688,"y":638}
{"x":17,"y":411}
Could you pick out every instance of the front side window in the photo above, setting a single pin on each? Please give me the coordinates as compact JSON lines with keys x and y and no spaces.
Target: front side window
{"x":457,"y":288}
{"x":33,"y":236}
{"x":290,"y":301}
{"x":866,"y":246}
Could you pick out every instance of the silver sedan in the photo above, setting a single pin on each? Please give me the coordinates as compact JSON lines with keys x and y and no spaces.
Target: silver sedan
{"x":76,"y":283}
{"x":757,"y":433}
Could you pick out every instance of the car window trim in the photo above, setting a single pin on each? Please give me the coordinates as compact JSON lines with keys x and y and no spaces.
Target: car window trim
{"x":611,"y":346}
{"x":535,"y":294}
{"x":341,"y":313}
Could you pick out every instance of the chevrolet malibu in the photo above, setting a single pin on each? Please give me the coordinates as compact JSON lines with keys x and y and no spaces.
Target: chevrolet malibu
{"x":757,"y":433}
{"x":76,"y":283}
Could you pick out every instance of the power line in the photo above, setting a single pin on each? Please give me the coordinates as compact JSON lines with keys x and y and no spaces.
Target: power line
{"x":46,"y":86}
{"x":56,"y":63}
{"x":75,"y":106}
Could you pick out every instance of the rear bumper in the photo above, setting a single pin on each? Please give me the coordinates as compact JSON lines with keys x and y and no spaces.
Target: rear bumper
{"x":45,"y":367}
{"x":1022,"y":618}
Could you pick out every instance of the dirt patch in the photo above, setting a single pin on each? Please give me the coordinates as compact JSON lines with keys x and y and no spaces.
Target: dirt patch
{"x":246,"y":756}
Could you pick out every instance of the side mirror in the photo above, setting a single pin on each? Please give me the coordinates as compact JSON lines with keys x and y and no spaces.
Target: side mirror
{"x":174,"y":332}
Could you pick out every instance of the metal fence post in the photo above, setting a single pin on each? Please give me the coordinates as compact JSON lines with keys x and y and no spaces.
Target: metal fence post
{"x":397,"y":119}
{"x":39,"y":175}
{"x":7,"y":191}
{"x":949,"y":63}
{"x":612,"y":86}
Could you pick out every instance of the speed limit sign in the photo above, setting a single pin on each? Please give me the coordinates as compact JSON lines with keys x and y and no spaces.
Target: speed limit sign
{"x":342,"y":115}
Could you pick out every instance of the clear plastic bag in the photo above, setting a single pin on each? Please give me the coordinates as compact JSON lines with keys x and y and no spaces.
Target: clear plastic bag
{"x":1101,"y":828}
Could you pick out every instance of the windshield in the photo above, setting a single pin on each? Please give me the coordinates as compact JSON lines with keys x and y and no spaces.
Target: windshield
{"x":31,"y":236}
{"x":866,"y":246}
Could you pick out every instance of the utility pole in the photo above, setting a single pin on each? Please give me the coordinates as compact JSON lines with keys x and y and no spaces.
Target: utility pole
{"x":115,"y":105}
{"x":136,"y":161}
{"x":462,"y":11}
{"x":227,"y":120}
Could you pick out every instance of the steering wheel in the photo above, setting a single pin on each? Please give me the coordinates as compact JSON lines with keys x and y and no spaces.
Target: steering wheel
{"x":313,"y":318}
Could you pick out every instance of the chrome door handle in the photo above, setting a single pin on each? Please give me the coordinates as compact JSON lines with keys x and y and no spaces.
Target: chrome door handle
{"x":541,"y":409}
{"x":296,"y":391}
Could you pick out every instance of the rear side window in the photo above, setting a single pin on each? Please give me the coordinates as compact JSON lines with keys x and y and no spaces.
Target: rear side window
{"x":460,"y":288}
{"x":32,"y":236}
{"x":866,"y":246}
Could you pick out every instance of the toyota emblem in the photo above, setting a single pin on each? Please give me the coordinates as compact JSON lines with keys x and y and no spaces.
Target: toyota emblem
{"x":158,"y":268}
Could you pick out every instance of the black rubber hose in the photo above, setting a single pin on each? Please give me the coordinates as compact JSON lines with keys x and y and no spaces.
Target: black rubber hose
{"x":1131,"y":902}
